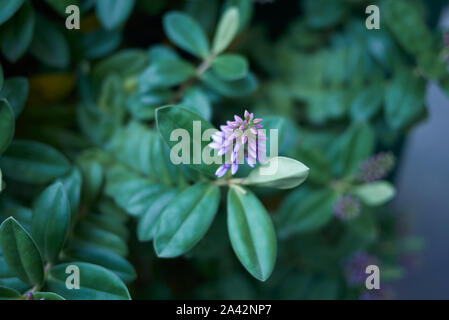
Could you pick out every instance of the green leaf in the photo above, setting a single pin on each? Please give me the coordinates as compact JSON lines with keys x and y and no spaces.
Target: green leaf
{"x":9,"y":279}
{"x":72,"y":185}
{"x":183,"y":31}
{"x":15,"y":90}
{"x":375,"y":193}
{"x":46,"y":296}
{"x":235,"y":88}
{"x":7,"y":125}
{"x":16,"y":34}
{"x":105,"y":258}
{"x":20,"y":252}
{"x":49,"y":44}
{"x":226,"y":30}
{"x":142,"y":105}
{"x":230,"y":66}
{"x":98,"y":125}
{"x":88,"y":233}
{"x":367,"y":103}
{"x":112,"y":13}
{"x":8,"y":8}
{"x":51,"y":220}
{"x":96,"y":283}
{"x":354,"y":145}
{"x":172,"y":117}
{"x":286,"y":173}
{"x":101,"y":42}
{"x":33,"y":162}
{"x":404,"y":99}
{"x":165,"y":73}
{"x":8,"y":293}
{"x":197,"y":101}
{"x":92,"y":177}
{"x":305,"y":210}
{"x":148,"y":222}
{"x":131,"y":192}
{"x":125,"y":63}
{"x":186,"y":219}
{"x":251,"y":233}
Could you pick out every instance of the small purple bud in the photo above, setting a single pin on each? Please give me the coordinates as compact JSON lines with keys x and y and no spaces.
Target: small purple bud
{"x":347,"y":207}
{"x":30,"y":296}
{"x":377,"y":167}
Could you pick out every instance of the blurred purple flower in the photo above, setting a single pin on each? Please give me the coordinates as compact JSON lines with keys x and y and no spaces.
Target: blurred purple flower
{"x":30,"y":296}
{"x":376,"y":167}
{"x":241,"y":136}
{"x":347,"y":207}
{"x":355,"y":266}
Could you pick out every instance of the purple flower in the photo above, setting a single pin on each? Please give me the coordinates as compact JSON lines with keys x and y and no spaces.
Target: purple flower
{"x":30,"y":296}
{"x":239,"y":139}
{"x":355,"y":266}
{"x":347,"y":207}
{"x":376,"y":167}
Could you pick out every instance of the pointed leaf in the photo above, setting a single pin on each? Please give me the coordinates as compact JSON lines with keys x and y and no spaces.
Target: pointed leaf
{"x":50,"y":221}
{"x":186,"y":33}
{"x":20,"y":252}
{"x":251,"y":233}
{"x":185,"y":221}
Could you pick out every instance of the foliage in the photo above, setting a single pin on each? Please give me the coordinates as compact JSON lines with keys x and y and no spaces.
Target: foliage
{"x":86,"y":177}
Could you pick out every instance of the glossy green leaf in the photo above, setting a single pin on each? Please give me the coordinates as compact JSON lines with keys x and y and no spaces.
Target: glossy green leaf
{"x":20,"y":252}
{"x":49,"y":44}
{"x":92,"y":178}
{"x":7,"y":125}
{"x":186,"y":220}
{"x":165,"y":73}
{"x":9,"y":279}
{"x":8,"y":293}
{"x":112,"y":13}
{"x":8,"y":8}
{"x":15,"y":90}
{"x":51,"y":220}
{"x":375,"y":193}
{"x":96,"y":283}
{"x":88,"y":233}
{"x":251,"y":233}
{"x":105,"y":258}
{"x":278,"y":172}
{"x":305,"y":211}
{"x":33,"y":162}
{"x":226,"y":30}
{"x":183,"y":31}
{"x":148,"y":222}
{"x":230,"y":66}
{"x":72,"y":185}
{"x":16,"y":34}
{"x":173,"y":117}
